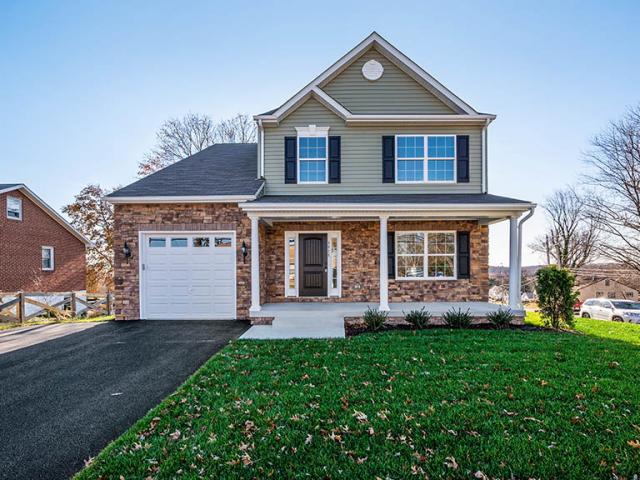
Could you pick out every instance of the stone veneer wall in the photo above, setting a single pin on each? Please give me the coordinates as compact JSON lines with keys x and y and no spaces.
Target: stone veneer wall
{"x":360,"y":269}
{"x":132,"y":218}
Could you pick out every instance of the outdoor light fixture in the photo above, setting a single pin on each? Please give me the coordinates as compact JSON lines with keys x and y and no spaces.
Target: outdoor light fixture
{"x":126,"y":251}
{"x":244,"y":251}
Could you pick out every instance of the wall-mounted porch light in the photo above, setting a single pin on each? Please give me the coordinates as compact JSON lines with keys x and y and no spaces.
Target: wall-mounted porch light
{"x":243,"y":249}
{"x":126,"y":251}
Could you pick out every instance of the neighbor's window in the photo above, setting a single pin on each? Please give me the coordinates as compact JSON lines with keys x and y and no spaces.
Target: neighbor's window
{"x":425,"y":255}
{"x":14,"y":208}
{"x":312,"y":154}
{"x":417,"y":164}
{"x":47,"y":258}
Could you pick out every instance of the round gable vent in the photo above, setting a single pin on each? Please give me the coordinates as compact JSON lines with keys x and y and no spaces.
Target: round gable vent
{"x":372,"y":70}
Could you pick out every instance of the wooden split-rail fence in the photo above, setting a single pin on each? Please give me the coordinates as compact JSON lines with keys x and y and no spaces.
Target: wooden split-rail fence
{"x":19,"y":307}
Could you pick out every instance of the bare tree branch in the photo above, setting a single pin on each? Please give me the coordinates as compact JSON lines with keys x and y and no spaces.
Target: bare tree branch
{"x":179,"y":138}
{"x":572,"y":238}
{"x":614,"y":175}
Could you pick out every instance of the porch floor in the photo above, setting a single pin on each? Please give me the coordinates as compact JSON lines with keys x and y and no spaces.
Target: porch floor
{"x":326,"y":320}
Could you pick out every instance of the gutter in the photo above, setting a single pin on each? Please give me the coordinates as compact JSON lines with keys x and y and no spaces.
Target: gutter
{"x":267,"y":207}
{"x":184,"y":199}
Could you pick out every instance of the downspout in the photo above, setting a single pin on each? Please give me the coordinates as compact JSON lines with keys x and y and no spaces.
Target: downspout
{"x":524,"y":219}
{"x":261,"y":148}
{"x":485,"y":176}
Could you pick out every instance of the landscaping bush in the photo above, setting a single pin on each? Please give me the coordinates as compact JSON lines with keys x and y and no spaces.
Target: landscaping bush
{"x":500,"y":318}
{"x":556,"y":296}
{"x":457,"y":318}
{"x":418,"y":318}
{"x":375,"y":318}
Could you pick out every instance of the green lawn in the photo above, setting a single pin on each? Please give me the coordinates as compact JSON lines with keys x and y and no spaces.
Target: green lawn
{"x":436,"y":403}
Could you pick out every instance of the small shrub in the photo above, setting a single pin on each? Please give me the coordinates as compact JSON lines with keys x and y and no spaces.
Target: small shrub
{"x":375,"y":318}
{"x":556,"y":296}
{"x":418,"y":318}
{"x":457,"y":318}
{"x":500,"y":318}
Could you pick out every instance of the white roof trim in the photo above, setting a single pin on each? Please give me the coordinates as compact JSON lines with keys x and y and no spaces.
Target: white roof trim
{"x":395,"y":207}
{"x":385,"y":119}
{"x":183,"y":199}
{"x":49,"y":210}
{"x":403,"y":61}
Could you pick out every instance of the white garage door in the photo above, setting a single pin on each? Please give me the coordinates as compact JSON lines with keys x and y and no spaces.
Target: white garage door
{"x":188,"y":276}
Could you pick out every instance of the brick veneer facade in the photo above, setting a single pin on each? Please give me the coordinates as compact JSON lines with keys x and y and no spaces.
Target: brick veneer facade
{"x":131,"y":219}
{"x":360,"y":263}
{"x":21,"y":243}
{"x":360,"y":254}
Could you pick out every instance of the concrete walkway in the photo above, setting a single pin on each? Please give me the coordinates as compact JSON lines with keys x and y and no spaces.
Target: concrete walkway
{"x":22,"y":337}
{"x":326,"y":320}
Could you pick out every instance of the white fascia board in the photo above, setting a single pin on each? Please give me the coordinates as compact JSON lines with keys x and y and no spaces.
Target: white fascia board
{"x":401,"y":59}
{"x":50,"y":211}
{"x":386,"y":207}
{"x":184,"y":199}
{"x":419,"y":119}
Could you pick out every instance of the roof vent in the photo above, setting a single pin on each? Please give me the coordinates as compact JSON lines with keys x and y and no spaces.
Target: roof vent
{"x":372,"y":70}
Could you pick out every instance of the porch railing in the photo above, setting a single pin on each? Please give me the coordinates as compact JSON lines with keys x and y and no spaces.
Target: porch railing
{"x":19,"y":307}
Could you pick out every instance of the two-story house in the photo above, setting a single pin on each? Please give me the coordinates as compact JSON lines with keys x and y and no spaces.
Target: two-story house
{"x":39,"y":249}
{"x":369,"y":185}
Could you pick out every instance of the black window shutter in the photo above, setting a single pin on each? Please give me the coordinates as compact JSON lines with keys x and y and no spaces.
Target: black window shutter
{"x":334,"y":159}
{"x":388,"y":159}
{"x":464,"y":255}
{"x":290,"y":159}
{"x":391,"y":254}
{"x":462,"y":153}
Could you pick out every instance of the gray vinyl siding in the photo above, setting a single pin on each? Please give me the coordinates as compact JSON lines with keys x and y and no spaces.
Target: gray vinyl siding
{"x":361,"y":162}
{"x":394,"y":93}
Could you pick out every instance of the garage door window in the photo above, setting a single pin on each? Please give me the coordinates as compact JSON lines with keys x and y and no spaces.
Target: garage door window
{"x":200,"y":242}
{"x":222,"y":242}
{"x":178,"y":242}
{"x":157,"y":242}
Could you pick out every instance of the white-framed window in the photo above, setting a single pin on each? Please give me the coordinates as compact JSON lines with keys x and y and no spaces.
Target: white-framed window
{"x":313,"y":155}
{"x":425,"y":158}
{"x":425,"y":255}
{"x":292,"y":269}
{"x":14,"y":208}
{"x":48,"y":260}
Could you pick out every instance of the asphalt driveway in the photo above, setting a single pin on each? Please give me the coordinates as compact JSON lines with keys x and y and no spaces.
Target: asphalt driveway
{"x":63,"y":400}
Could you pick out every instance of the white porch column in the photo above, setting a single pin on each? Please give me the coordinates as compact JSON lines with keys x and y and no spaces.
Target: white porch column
{"x":255,"y":264}
{"x":514,"y":265}
{"x":384,"y":265}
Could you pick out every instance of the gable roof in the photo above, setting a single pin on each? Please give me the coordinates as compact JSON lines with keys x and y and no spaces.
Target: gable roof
{"x":602,"y":279}
{"x":10,"y":187}
{"x":314,"y":88}
{"x":224,"y":171}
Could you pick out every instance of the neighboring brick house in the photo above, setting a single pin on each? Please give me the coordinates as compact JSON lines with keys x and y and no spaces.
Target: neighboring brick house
{"x":369,"y":185}
{"x":39,"y":250}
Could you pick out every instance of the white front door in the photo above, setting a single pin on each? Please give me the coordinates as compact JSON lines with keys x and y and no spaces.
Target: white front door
{"x":189,"y":276}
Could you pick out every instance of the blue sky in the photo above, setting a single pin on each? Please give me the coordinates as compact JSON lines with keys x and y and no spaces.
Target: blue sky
{"x":85,"y":85}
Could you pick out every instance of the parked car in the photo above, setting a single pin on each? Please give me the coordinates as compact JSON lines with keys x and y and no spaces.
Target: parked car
{"x":577,"y":306}
{"x":611,"y":309}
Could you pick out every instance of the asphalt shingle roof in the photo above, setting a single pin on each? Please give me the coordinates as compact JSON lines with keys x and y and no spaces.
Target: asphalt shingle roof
{"x":4,"y":186}
{"x":222,"y":169}
{"x":418,"y":198}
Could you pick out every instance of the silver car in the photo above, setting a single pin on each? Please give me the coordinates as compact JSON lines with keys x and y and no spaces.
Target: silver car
{"x":611,"y":309}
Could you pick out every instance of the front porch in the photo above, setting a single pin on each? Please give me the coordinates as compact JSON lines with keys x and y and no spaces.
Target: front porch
{"x":326,"y":320}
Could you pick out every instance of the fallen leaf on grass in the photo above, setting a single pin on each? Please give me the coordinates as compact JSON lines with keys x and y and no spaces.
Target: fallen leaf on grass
{"x":175,"y":435}
{"x":634,"y":443}
{"x":451,"y":463}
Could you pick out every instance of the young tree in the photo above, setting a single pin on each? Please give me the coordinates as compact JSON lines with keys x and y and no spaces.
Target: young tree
{"x":93,"y":217}
{"x":615,"y":178}
{"x":556,"y":296}
{"x":179,"y":138}
{"x":571,"y":239}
